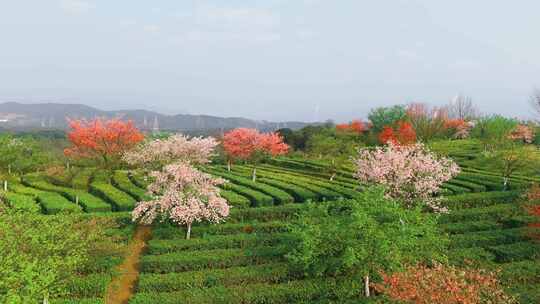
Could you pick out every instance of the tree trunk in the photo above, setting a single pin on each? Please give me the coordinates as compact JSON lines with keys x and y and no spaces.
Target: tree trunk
{"x":5,"y":186}
{"x":9,"y":169}
{"x":229,"y":165}
{"x":332,"y":177}
{"x":366,"y":286}
{"x":254,"y":176}
{"x":505,"y":185}
{"x":188,"y":233}
{"x":46,"y":299}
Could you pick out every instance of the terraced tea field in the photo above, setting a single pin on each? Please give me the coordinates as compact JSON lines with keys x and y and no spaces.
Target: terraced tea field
{"x":242,"y":260}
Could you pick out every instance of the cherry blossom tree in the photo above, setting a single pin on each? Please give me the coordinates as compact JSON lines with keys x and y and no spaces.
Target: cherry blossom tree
{"x":102,"y":139}
{"x":252,"y":146}
{"x":183,"y":195}
{"x":156,"y":153}
{"x":180,"y":192}
{"x":522,"y":133}
{"x":355,"y":126}
{"x":411,"y":174}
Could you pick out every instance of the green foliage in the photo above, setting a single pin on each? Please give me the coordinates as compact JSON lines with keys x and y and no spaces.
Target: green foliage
{"x":493,"y":130}
{"x":386,"y":116}
{"x":41,"y":255}
{"x":22,"y":154}
{"x":364,"y":236}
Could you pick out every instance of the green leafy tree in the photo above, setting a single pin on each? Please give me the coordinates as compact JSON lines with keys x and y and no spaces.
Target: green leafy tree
{"x":359,"y":238}
{"x":335,"y":148}
{"x":41,"y":254}
{"x":493,"y":131}
{"x":511,"y":157}
{"x":386,"y":116}
{"x":21,"y":154}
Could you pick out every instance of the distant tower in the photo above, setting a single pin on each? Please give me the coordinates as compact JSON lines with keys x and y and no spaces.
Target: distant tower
{"x":51,"y":122}
{"x":43,"y":123}
{"x":155,"y":127}
{"x":145,"y":122}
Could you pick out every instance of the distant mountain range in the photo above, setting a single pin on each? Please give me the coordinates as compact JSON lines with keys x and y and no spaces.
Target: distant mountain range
{"x":22,"y":116}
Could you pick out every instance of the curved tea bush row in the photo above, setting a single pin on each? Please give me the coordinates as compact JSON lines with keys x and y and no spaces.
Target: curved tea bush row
{"x":90,"y":286}
{"x":51,"y":202}
{"x":256,"y":198}
{"x":230,"y":277}
{"x":89,"y":202}
{"x":488,"y":238}
{"x":22,"y":202}
{"x":338,"y":180}
{"x":305,"y":291}
{"x":120,"y":180}
{"x":470,"y":226}
{"x":82,"y":179}
{"x":455,"y":189}
{"x":241,"y":240}
{"x":493,"y":212}
{"x":234,"y":199}
{"x":516,"y":252}
{"x":474,"y":187}
{"x":101,"y":187}
{"x":219,"y":258}
{"x":279,"y":196}
{"x":300,"y":194}
{"x":483,"y":199}
{"x":163,"y":233}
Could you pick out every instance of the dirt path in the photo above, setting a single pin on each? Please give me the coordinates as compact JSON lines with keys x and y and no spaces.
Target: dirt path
{"x":122,"y":286}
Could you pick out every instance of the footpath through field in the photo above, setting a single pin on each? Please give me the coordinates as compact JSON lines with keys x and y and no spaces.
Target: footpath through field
{"x":122,"y":286}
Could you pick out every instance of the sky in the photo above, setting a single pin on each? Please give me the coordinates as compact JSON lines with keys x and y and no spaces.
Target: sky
{"x":274,"y":59}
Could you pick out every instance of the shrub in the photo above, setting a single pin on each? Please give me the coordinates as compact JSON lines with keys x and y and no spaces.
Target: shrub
{"x":219,"y":258}
{"x":22,"y":202}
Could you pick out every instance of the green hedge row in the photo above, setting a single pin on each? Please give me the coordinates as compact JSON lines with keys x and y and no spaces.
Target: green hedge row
{"x":350,"y":183}
{"x":474,"y":187}
{"x":337,"y":190}
{"x":516,"y":251}
{"x":256,"y":198}
{"x":234,"y":199}
{"x":470,"y":226}
{"x":482,"y":199}
{"x":307,"y":291}
{"x":90,"y":286}
{"x":300,"y":194}
{"x":235,"y":241}
{"x":77,"y":301}
{"x":475,"y":255}
{"x":522,"y":272}
{"x":455,"y":189}
{"x":101,"y":187}
{"x":140,"y":179}
{"x":22,"y":202}
{"x":219,"y":258}
{"x":120,"y":180}
{"x":51,"y":202}
{"x":230,"y":277}
{"x":283,"y":213}
{"x":82,"y":179}
{"x":488,"y":238}
{"x":492,"y":183}
{"x":322,"y":192}
{"x":493,"y":212}
{"x":89,"y":202}
{"x":161,"y":233}
{"x":280,"y":196}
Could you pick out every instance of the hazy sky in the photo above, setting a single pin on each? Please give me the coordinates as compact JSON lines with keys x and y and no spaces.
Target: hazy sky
{"x":271,"y":59}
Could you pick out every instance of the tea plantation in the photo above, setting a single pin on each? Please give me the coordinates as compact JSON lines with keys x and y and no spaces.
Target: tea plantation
{"x":242,"y":260}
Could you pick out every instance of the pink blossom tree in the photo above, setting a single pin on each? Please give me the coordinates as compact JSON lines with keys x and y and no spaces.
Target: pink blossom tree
{"x":156,"y":153}
{"x":180,"y":192}
{"x":183,"y":195}
{"x":251,"y":146}
{"x":411,"y":174}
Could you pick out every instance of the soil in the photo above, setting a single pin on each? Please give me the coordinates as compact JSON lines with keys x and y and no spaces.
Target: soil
{"x":123,"y":285}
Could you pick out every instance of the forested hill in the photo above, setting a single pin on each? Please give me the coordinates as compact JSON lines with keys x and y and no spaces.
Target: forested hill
{"x":19,"y":116}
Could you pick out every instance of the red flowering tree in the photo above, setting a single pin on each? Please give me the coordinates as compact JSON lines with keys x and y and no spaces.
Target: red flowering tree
{"x":404,"y":134}
{"x":458,"y":128}
{"x":252,"y":146}
{"x":522,"y":133}
{"x":443,"y":285}
{"x":99,"y":139}
{"x":355,"y":126}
